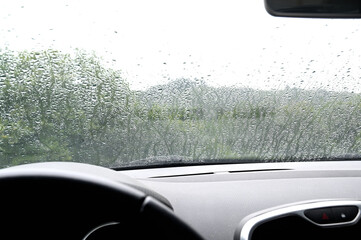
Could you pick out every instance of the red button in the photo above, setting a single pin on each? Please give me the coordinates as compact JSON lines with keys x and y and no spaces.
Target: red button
{"x":325,"y":216}
{"x":321,"y":215}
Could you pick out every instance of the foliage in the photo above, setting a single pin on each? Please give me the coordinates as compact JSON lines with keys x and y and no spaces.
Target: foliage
{"x":57,"y":107}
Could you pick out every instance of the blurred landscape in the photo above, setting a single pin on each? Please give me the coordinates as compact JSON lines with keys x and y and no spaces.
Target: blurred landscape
{"x":57,"y":107}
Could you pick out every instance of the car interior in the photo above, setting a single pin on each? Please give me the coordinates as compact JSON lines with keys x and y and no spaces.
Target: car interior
{"x":214,"y":201}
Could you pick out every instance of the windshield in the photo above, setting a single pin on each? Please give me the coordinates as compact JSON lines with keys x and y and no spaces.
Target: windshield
{"x":136,"y":83}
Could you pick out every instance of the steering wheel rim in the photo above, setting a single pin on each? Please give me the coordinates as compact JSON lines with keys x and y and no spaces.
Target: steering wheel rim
{"x":71,"y":205}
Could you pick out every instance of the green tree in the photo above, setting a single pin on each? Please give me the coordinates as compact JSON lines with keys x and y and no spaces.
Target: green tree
{"x":58,"y":107}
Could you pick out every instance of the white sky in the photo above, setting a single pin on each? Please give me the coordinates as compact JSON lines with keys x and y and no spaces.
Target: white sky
{"x":221,"y":42}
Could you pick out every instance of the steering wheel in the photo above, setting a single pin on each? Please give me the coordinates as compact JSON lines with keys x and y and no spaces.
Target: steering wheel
{"x":59,"y":204}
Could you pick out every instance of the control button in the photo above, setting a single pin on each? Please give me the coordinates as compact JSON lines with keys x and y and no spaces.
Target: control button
{"x":345,"y":214}
{"x":321,"y":215}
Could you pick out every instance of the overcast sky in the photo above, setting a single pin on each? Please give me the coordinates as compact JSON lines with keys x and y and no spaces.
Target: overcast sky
{"x":221,"y":42}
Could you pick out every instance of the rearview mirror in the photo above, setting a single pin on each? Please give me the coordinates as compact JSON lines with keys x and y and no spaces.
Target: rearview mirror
{"x":314,"y":8}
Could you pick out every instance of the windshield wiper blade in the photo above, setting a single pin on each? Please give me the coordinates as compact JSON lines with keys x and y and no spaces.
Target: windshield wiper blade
{"x":344,"y":157}
{"x":159,"y":161}
{"x":179,"y":161}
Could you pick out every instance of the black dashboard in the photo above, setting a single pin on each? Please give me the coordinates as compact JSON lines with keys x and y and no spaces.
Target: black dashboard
{"x":313,"y":200}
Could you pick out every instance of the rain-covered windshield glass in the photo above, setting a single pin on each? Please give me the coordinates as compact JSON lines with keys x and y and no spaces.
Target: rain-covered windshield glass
{"x":136,"y":83}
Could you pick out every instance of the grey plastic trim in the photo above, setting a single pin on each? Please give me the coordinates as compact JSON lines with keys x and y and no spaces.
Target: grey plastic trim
{"x":249,"y":226}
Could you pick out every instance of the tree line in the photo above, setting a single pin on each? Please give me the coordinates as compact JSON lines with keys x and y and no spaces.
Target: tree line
{"x":60,"y":107}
